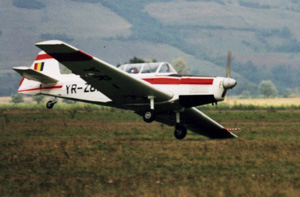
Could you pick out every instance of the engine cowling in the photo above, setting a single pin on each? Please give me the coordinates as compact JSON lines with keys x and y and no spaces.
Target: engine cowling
{"x":229,"y":83}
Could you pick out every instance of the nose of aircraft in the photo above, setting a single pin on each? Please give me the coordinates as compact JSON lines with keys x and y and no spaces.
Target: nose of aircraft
{"x":229,"y":83}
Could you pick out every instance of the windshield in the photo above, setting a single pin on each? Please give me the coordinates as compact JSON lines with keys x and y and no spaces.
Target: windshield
{"x":157,"y":67}
{"x":150,"y":68}
{"x":166,"y":68}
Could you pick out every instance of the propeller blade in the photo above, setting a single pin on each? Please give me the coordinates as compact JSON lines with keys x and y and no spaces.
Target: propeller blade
{"x":228,"y":64}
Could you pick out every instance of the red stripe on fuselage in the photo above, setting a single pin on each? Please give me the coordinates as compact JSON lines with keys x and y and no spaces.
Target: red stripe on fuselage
{"x":196,"y":81}
{"x":179,"y":81}
{"x":42,"y":88}
{"x":174,"y":81}
{"x":43,"y":57}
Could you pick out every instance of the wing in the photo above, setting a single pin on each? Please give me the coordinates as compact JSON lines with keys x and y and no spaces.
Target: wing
{"x":118,"y":85}
{"x":198,"y":122}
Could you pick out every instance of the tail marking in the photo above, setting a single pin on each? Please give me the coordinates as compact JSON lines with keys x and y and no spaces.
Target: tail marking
{"x":43,"y":56}
{"x":39,"y":66}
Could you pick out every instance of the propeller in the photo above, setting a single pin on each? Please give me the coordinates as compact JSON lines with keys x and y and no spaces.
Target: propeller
{"x":229,"y":54}
{"x":228,"y":83}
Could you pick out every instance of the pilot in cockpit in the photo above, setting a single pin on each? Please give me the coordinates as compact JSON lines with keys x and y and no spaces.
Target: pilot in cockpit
{"x":134,"y":70}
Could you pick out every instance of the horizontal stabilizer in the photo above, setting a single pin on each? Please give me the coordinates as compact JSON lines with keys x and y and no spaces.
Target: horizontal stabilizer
{"x":31,"y":74}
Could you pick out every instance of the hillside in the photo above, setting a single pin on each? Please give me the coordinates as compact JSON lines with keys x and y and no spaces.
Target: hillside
{"x":263,"y":35}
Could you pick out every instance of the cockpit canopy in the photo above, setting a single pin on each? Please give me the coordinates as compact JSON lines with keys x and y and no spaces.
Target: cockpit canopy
{"x":147,"y":68}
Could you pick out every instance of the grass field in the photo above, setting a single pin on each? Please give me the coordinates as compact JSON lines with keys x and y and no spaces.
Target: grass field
{"x":76,"y":152}
{"x":276,"y":102}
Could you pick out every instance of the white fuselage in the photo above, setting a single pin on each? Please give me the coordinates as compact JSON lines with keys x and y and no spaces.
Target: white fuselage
{"x":185,"y":90}
{"x":73,"y":87}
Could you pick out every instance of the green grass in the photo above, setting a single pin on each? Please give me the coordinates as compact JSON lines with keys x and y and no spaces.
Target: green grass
{"x":96,"y":152}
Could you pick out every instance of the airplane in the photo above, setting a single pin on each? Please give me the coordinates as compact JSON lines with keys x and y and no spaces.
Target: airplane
{"x":154,"y":91}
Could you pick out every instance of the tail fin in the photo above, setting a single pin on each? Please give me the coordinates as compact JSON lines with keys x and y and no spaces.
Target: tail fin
{"x":46,"y":64}
{"x":44,"y":70}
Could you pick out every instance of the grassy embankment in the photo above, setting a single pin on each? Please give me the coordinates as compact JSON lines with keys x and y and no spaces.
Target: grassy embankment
{"x":88,"y":151}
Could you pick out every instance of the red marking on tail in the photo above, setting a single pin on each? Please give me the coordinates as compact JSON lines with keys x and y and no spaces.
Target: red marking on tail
{"x":43,"y":57}
{"x":21,"y":81}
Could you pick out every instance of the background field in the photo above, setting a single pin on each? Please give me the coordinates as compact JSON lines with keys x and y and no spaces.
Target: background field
{"x":277,"y":102}
{"x":82,"y":151}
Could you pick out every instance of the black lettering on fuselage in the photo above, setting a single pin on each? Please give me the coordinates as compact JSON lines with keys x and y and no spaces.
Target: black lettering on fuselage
{"x":89,"y":88}
{"x":86,"y":88}
{"x":73,"y":88}
{"x":92,"y":89}
{"x":68,"y":87}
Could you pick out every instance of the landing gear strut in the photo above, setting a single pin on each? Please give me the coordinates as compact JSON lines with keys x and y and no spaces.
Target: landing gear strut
{"x":149,"y":115}
{"x":180,"y":131}
{"x":51,"y":103}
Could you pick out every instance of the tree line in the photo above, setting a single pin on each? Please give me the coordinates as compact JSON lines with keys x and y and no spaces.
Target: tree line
{"x":266,"y":88}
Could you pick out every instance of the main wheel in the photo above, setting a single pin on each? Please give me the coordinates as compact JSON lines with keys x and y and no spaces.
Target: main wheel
{"x":50,"y":104}
{"x":180,"y":131}
{"x":149,"y":116}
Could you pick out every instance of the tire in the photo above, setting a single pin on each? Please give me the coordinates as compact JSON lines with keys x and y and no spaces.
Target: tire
{"x":180,"y":132}
{"x":149,"y":116}
{"x":50,"y":105}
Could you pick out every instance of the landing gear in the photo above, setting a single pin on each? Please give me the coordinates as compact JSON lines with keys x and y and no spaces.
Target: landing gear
{"x":51,"y":103}
{"x":180,"y":131}
{"x":149,"y":115}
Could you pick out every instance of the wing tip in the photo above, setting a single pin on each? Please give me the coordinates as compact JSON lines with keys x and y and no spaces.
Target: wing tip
{"x":232,"y":135}
{"x":55,"y":46}
{"x":223,"y":134}
{"x":49,"y":42}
